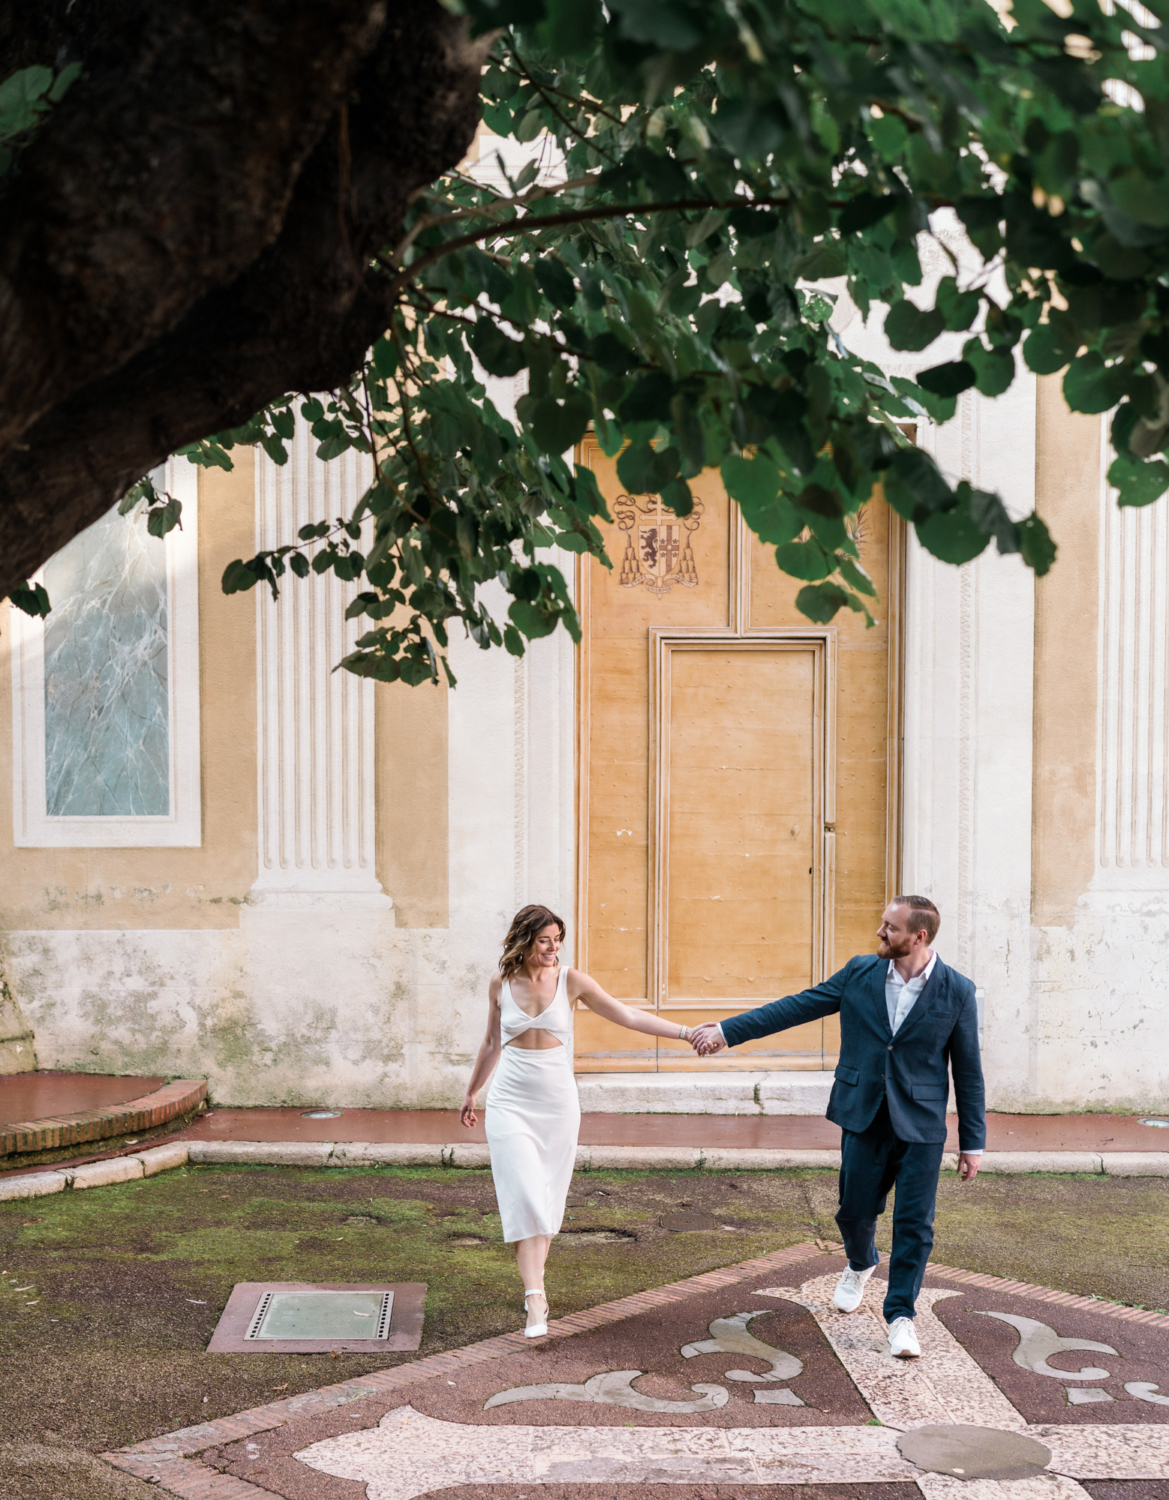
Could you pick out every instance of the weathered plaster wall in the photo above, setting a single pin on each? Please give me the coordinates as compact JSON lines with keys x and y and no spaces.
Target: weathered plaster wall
{"x":285,"y":979}
{"x":17,"y":1044}
{"x":1101,"y":834}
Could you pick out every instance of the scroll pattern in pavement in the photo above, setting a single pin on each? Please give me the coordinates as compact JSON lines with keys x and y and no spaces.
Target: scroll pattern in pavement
{"x":410,"y":1454}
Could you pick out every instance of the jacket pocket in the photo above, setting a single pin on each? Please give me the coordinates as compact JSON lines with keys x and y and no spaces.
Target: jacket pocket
{"x":848,"y":1075}
{"x":929,"y":1091}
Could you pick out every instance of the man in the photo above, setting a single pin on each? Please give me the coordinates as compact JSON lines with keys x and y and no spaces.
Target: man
{"x":904,"y":1015}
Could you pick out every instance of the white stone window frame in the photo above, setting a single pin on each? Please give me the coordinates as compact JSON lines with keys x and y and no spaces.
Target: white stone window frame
{"x":181,"y":828}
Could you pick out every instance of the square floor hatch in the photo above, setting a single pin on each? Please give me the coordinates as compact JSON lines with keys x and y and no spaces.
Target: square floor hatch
{"x":288,"y":1317}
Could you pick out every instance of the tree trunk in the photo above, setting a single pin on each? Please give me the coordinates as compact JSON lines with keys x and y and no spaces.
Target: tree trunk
{"x":188,"y":235}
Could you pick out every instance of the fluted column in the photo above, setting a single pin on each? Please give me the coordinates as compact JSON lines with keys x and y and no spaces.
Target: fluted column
{"x":1132,"y":837}
{"x":315,"y":725}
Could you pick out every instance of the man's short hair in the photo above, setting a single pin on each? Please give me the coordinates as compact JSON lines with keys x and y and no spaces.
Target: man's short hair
{"x":926,"y":916}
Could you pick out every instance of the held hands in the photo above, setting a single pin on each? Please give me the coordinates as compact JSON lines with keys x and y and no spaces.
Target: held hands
{"x":707,"y":1039}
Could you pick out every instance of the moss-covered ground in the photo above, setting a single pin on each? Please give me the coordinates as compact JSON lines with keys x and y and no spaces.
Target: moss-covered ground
{"x":109,"y":1296}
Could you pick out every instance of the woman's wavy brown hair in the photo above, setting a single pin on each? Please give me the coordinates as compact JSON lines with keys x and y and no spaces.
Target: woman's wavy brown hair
{"x":525,"y":925}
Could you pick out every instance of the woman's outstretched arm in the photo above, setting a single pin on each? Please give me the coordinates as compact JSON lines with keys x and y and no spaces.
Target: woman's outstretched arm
{"x":586,"y":989}
{"x":488,"y":1055}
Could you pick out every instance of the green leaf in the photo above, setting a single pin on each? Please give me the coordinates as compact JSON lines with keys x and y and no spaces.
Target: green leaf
{"x":32,"y":598}
{"x":557,"y":426}
{"x":676,"y":495}
{"x":949,"y":379}
{"x":164,"y":518}
{"x":645,"y":470}
{"x":913,"y":484}
{"x":238,"y":578}
{"x":804,"y":560}
{"x":498,"y":354}
{"x":907,"y":327}
{"x":513,"y":641}
{"x":994,"y":369}
{"x":821,"y":602}
{"x":1046,"y":349}
{"x":21,"y":99}
{"x":853,"y":573}
{"x":1091,"y":386}
{"x":556,"y":283}
{"x":572,"y":541}
{"x":1138,"y":483}
{"x":1036,"y":545}
{"x":754,"y":482}
{"x":958,"y":309}
{"x":952,"y":535}
{"x":532,"y":621}
{"x":1140,"y":197}
{"x":865,"y":210}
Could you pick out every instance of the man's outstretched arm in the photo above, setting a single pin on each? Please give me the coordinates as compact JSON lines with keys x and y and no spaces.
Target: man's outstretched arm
{"x":777,"y":1015}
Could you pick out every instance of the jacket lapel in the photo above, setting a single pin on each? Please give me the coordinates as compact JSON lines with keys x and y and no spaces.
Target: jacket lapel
{"x":879,"y":1008}
{"x":935,"y":987}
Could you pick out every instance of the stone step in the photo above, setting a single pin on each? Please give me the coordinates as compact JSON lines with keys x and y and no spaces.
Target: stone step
{"x":713,"y":1093}
{"x":34,"y":1142}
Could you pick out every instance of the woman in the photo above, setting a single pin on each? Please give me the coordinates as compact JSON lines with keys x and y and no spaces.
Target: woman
{"x":533,"y":1114}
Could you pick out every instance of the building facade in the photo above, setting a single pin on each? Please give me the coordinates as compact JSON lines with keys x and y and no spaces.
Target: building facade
{"x":223,"y":859}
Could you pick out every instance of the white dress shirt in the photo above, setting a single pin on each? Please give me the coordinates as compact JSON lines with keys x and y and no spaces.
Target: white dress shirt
{"x":901,"y":994}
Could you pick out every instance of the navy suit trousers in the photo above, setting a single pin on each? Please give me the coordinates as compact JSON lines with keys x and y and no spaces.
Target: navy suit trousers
{"x":873,"y":1161}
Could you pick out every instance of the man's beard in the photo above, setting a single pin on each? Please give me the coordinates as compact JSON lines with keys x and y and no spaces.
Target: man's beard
{"x":891,"y":950}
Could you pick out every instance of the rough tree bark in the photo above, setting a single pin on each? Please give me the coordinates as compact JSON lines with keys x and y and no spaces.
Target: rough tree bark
{"x":188,"y":234}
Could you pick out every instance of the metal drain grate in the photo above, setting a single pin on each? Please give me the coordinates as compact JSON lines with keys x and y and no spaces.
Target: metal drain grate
{"x":344,"y":1316}
{"x":325,"y":1317}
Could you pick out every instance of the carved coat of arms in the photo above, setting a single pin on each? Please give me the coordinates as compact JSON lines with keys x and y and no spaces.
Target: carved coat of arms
{"x":658,"y":550}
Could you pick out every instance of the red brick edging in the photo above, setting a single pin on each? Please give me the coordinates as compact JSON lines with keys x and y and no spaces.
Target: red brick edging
{"x":1045,"y":1294}
{"x":167,"y":1460}
{"x":147,"y":1113}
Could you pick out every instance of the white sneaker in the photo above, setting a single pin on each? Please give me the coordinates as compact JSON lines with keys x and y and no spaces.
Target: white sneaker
{"x":903,"y":1339}
{"x":850,"y":1289}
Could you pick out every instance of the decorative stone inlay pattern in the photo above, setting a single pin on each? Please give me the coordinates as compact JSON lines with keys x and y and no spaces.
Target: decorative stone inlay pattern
{"x":1144,"y":1391}
{"x":409,"y":1454}
{"x":945,"y":1386}
{"x":1037,"y":1342}
{"x":730,"y":1336}
{"x":453,"y":1441}
{"x":611,"y":1388}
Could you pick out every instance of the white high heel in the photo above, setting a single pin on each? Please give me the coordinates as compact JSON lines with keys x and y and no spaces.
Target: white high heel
{"x":537,"y":1330}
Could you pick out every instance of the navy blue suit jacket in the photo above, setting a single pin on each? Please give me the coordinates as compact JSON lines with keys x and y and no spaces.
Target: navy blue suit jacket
{"x":907,"y":1071}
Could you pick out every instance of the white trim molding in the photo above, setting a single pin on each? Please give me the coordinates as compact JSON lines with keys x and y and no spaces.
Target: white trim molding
{"x":181,"y":827}
{"x":1132,"y":785}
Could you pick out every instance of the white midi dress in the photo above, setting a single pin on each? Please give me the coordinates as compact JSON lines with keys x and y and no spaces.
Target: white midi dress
{"x":533,"y":1119}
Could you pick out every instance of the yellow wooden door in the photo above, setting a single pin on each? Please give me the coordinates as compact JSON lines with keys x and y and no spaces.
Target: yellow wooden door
{"x":736,"y":807}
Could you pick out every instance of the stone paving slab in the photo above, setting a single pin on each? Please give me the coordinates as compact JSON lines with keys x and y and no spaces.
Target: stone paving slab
{"x":738,"y":1378}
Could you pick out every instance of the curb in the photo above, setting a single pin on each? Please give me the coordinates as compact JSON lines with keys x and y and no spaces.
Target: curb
{"x":474,"y":1155}
{"x":95,"y":1173}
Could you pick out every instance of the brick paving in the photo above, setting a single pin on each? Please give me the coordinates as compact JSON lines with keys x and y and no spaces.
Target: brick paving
{"x":158,"y":1108}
